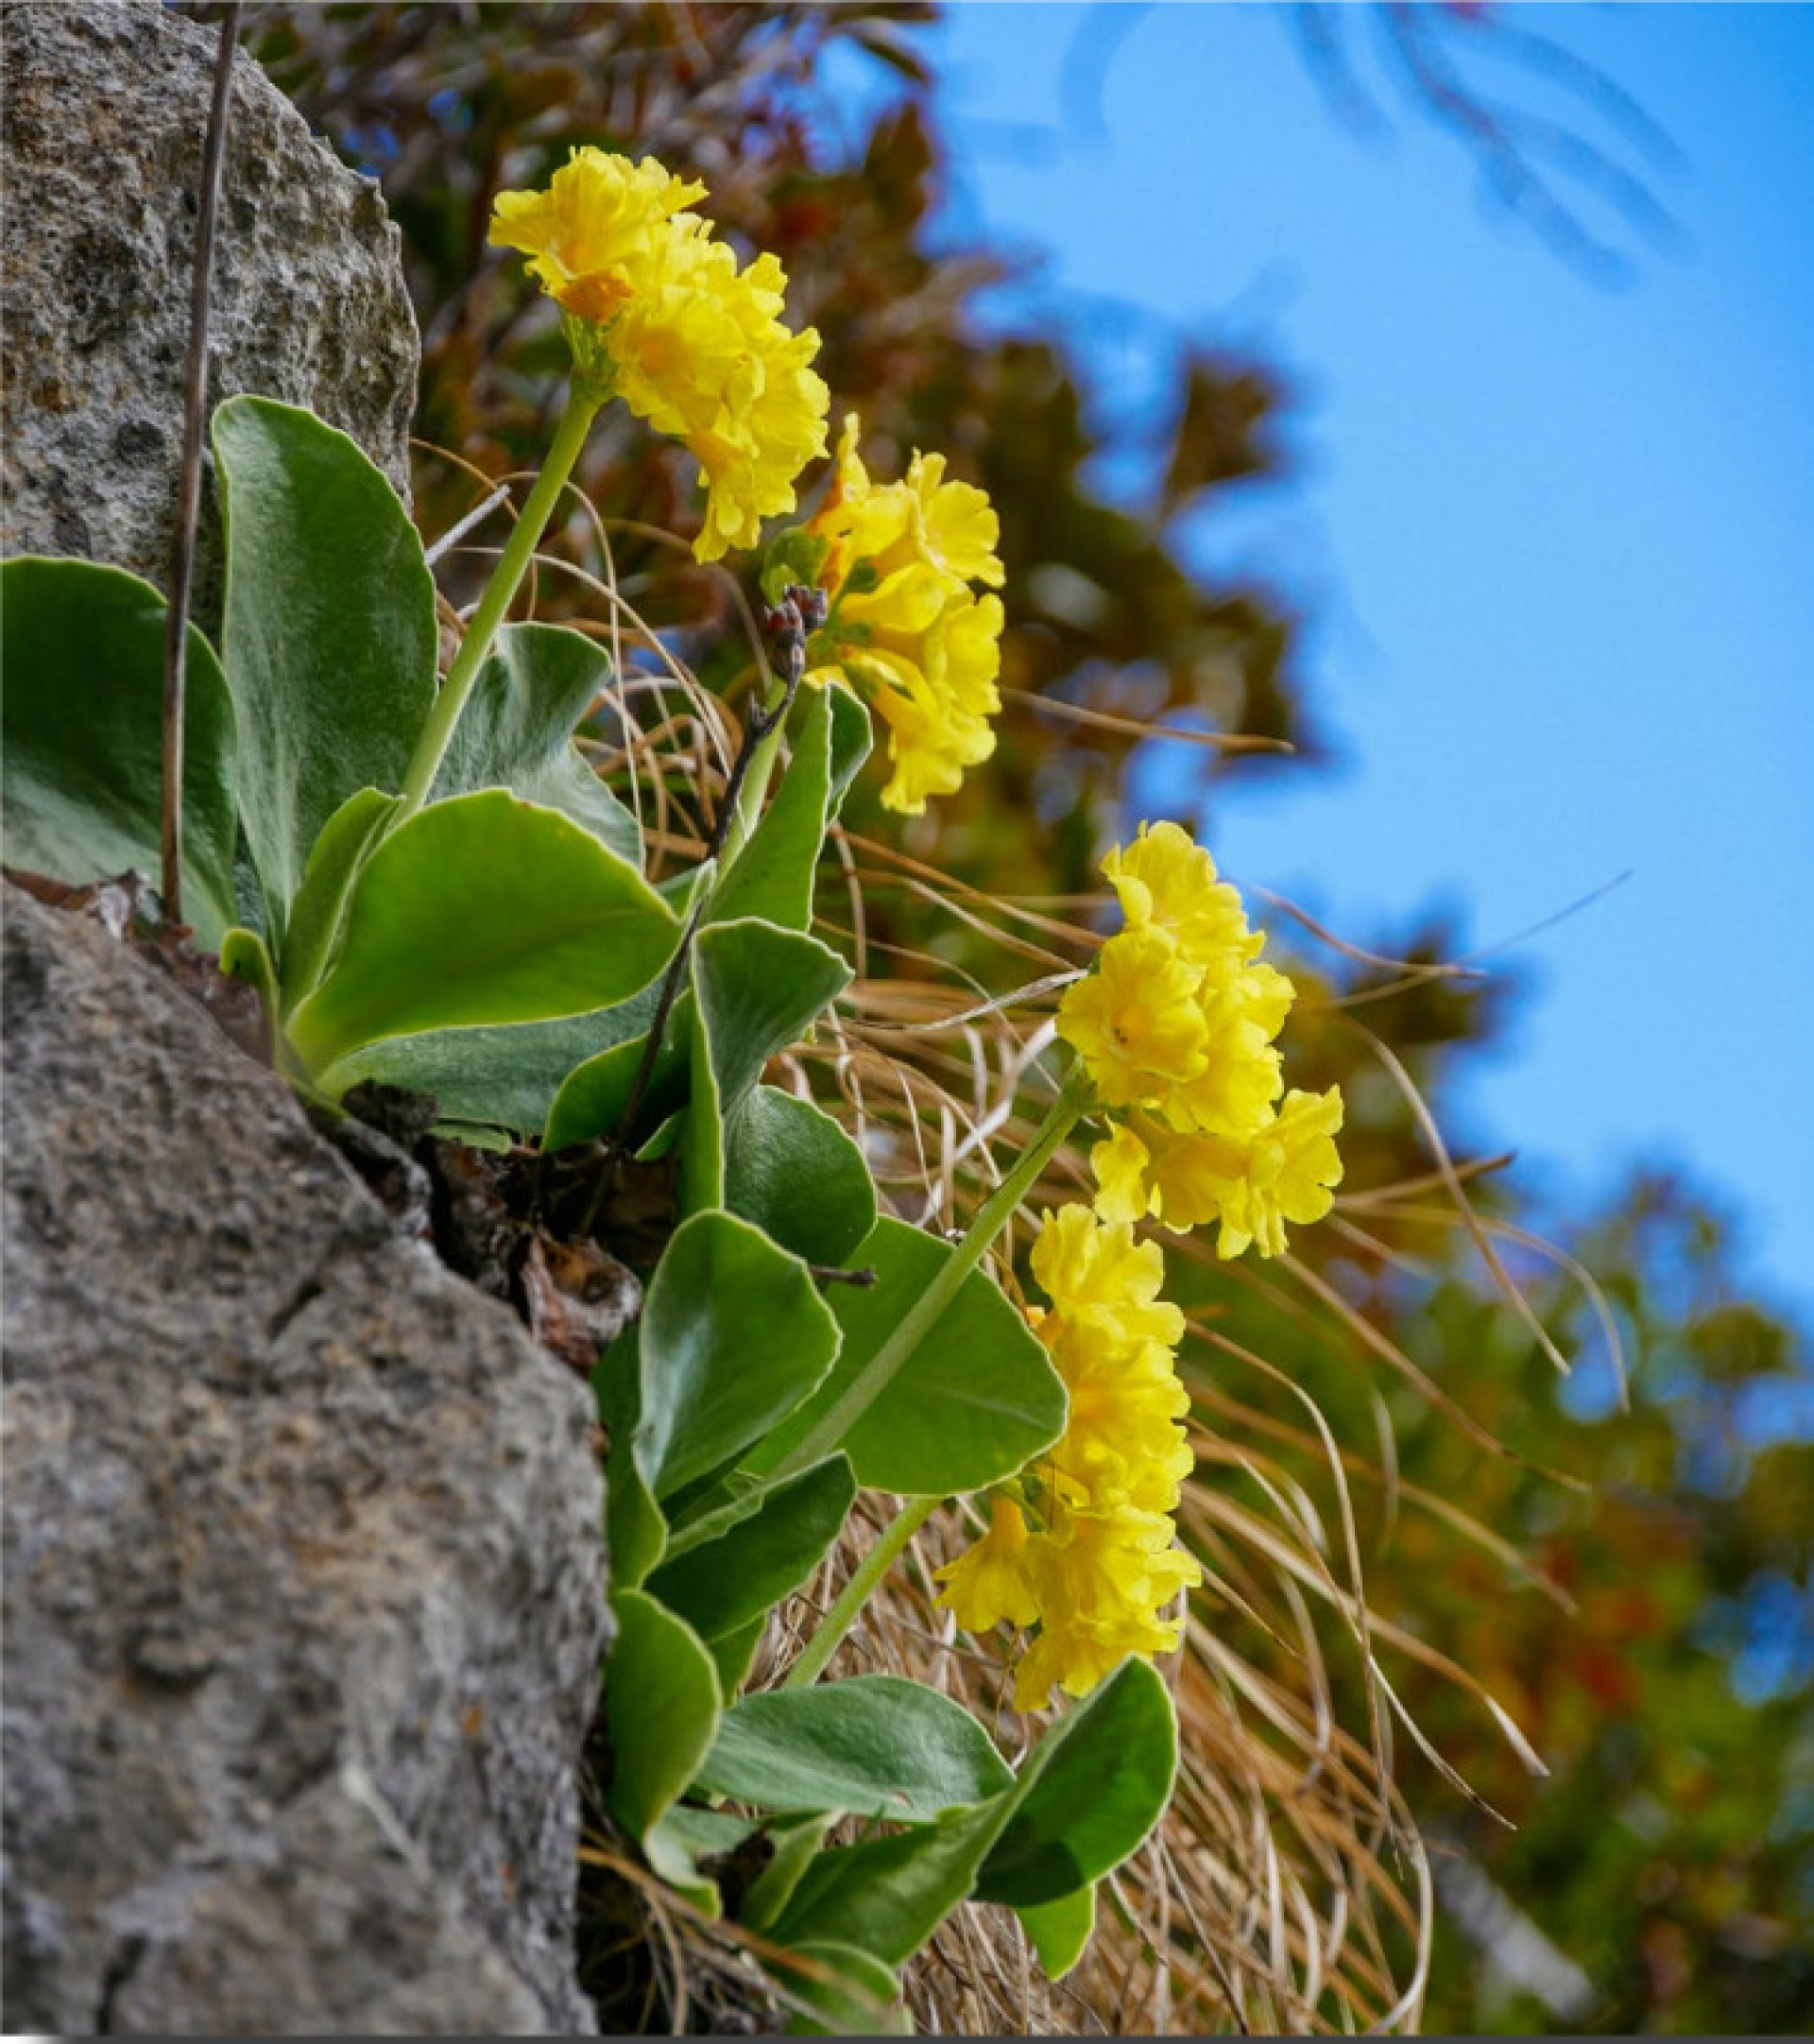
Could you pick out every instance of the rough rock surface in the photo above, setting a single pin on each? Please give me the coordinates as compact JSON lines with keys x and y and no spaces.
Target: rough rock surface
{"x":303,"y":1585}
{"x":103,"y":108}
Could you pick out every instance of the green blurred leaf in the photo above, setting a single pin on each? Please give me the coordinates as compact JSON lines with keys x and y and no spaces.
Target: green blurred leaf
{"x":757,"y":988}
{"x":483,"y":909}
{"x":733,"y":1336}
{"x":512,"y":1075}
{"x":636,"y":1529}
{"x":516,"y":731}
{"x":328,"y":632}
{"x":794,"y":1845}
{"x":719,"y":1585}
{"x":1097,"y":1787}
{"x":82,"y":737}
{"x":851,"y":1993}
{"x":593,"y":1095}
{"x":773,"y":875}
{"x":347,"y":836}
{"x":794,"y":1172}
{"x":661,"y":1705}
{"x":851,"y":738}
{"x":874,"y":1747}
{"x":1059,"y":1932}
{"x":974,"y":1401}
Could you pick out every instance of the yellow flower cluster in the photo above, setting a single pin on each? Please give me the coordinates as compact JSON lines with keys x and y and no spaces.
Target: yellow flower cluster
{"x":1086,"y":1549}
{"x":1176,"y":1029}
{"x":905,"y":630}
{"x":660,"y":313}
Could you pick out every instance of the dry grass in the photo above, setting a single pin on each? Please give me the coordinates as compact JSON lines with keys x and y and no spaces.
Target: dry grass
{"x":1287,"y":1890}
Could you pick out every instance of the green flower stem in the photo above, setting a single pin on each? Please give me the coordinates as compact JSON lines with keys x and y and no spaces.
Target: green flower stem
{"x":922,"y":1316}
{"x":583,"y":400}
{"x":857,"y":1592}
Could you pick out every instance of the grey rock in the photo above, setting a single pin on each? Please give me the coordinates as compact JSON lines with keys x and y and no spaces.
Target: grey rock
{"x":303,"y":1580}
{"x":103,"y":110}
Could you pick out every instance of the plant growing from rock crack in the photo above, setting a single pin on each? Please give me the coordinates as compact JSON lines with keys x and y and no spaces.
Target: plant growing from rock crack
{"x":431,"y":887}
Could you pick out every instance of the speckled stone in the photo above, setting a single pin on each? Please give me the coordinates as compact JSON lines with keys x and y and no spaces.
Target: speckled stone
{"x":304,"y":1579}
{"x":103,"y":110}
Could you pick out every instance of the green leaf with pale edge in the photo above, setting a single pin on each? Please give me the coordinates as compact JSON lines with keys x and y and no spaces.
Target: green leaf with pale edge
{"x":849,"y":1993}
{"x":759,"y":989}
{"x":755,"y":989}
{"x":315,"y":912}
{"x":794,"y":1846}
{"x":1096,"y":1798}
{"x":516,"y":731}
{"x":511,"y":1077}
{"x":328,"y":632}
{"x":1060,"y":1931}
{"x":733,"y":1652}
{"x":772,"y":876}
{"x":682,"y":1843}
{"x":888,"y":1896}
{"x":661,"y":1707}
{"x":593,"y":1095}
{"x":719,"y":1585}
{"x":851,"y":738}
{"x":733,"y":1336}
{"x":874,"y":1747}
{"x":82,"y":737}
{"x":977,"y":1399}
{"x":480,"y":910}
{"x":636,"y":1529}
{"x":794,"y":1172}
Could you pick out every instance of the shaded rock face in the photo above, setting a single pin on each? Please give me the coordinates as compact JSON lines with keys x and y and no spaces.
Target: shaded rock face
{"x":103,"y":110}
{"x":304,"y":1583}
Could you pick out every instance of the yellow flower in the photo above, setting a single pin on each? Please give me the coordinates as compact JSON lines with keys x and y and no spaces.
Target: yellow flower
{"x":1102,"y":1579}
{"x":662,"y":314}
{"x":1166,"y":882}
{"x":1287,"y":1172}
{"x":904,"y":630}
{"x":1097,"y":1276}
{"x":1089,"y":1556}
{"x":1176,"y":1029}
{"x":1136,"y":1021}
{"x":988,"y":1582}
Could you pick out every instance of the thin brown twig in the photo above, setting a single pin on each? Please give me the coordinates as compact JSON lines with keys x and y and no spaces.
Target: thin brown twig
{"x":183,"y":551}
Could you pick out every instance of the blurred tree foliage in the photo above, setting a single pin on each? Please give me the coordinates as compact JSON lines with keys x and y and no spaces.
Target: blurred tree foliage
{"x":1670,"y":1855}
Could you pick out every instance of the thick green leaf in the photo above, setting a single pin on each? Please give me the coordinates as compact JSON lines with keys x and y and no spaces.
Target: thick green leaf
{"x":757,"y":990}
{"x":683,"y":1845}
{"x":888,"y":1895}
{"x":794,"y":1172}
{"x":82,"y":737}
{"x":483,"y":909}
{"x":794,"y":1846}
{"x":733,"y":1652}
{"x":733,"y":1336}
{"x":509,"y":1076}
{"x":661,"y":1705}
{"x":1059,"y":1932}
{"x":851,"y":738}
{"x":772,"y":876}
{"x":328,"y":632}
{"x":317,"y":913}
{"x":636,"y":1529}
{"x":1101,"y":1784}
{"x":516,"y":731}
{"x":874,"y":1747}
{"x":593,"y":1095}
{"x":849,"y":1992}
{"x":719,"y":1585}
{"x":977,"y":1399}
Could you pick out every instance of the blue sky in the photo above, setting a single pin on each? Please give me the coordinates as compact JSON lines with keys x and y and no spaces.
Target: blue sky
{"x":1556,"y":539}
